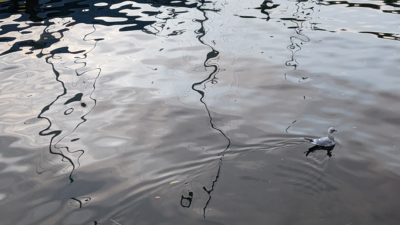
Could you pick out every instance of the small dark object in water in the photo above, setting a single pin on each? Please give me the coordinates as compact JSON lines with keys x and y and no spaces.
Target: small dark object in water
{"x":187,"y":201}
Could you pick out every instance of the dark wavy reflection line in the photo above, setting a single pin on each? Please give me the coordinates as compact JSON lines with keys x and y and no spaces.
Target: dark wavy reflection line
{"x":213,"y":54}
{"x":56,"y":133}
{"x":83,"y":117}
{"x":81,"y":200}
{"x":64,"y":151}
{"x":287,"y":128}
{"x":159,"y":27}
{"x":301,"y":15}
{"x":77,"y":61}
{"x":266,"y":6}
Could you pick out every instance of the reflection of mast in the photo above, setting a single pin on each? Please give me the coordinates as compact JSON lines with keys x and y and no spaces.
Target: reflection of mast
{"x":159,"y":27}
{"x":67,"y":101}
{"x":212,"y":54}
{"x":297,"y":39}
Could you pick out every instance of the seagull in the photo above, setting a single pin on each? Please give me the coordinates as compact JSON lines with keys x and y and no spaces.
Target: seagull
{"x":324,"y":141}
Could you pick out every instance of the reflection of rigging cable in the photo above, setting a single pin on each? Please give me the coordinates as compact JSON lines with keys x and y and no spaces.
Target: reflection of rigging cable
{"x":298,"y":39}
{"x":213,"y":54}
{"x":83,"y":117}
{"x":161,"y":25}
{"x":54,"y":133}
{"x":53,"y":149}
{"x":301,"y":15}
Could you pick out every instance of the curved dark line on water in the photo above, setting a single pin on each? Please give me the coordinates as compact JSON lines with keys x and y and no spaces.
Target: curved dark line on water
{"x":299,"y":17}
{"x":287,"y":128}
{"x":83,"y":118}
{"x":53,"y":146}
{"x":213,"y":54}
{"x":55,"y":133}
{"x":81,"y":201}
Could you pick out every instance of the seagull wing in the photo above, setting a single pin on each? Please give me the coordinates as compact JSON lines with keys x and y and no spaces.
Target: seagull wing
{"x":324,"y":141}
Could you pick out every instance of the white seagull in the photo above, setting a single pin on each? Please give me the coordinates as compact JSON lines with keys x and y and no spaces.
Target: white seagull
{"x":324,"y":141}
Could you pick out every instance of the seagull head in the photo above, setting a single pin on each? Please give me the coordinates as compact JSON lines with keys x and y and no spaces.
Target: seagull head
{"x":331,"y":130}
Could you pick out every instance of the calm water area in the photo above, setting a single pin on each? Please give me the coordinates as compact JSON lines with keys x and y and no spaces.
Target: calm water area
{"x":156,"y":112}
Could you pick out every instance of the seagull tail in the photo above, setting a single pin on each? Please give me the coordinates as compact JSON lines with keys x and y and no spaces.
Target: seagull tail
{"x":309,"y":139}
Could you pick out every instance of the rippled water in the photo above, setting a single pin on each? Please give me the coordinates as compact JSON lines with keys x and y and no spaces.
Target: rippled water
{"x":194,"y":112}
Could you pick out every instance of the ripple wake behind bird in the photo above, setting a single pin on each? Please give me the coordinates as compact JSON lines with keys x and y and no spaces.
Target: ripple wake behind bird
{"x":307,"y":175}
{"x":287,"y":164}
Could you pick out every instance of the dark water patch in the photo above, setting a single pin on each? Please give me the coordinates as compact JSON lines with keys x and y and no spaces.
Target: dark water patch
{"x":7,"y":39}
{"x":77,"y":97}
{"x":388,"y":36}
{"x":375,"y":6}
{"x":381,"y":35}
{"x":87,"y":12}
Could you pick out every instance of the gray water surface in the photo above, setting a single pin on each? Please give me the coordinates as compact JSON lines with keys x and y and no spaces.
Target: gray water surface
{"x":194,"y":112}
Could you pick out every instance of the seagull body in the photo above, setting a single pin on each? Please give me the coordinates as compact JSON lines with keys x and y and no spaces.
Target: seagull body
{"x":324,"y":141}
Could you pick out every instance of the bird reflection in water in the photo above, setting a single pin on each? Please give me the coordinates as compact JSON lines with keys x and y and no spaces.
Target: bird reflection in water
{"x":316,"y":148}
